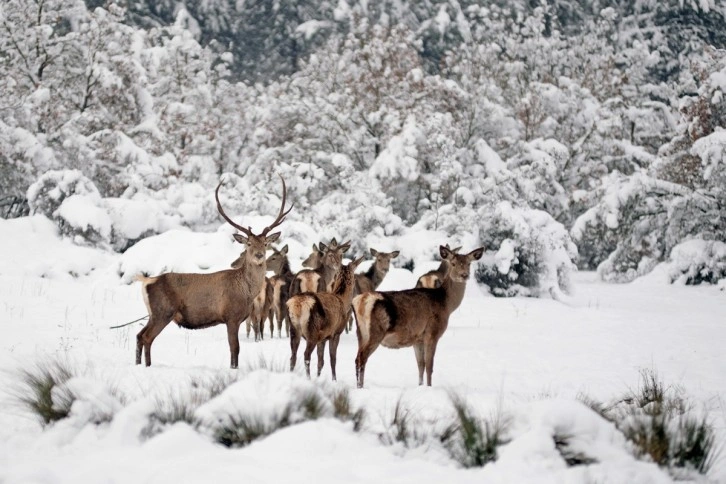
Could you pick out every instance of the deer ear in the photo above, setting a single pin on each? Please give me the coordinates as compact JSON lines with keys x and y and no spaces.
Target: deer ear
{"x":394,"y":254}
{"x":240,"y":238}
{"x":445,"y":252}
{"x":315,"y":248}
{"x":283,"y":251}
{"x":456,"y":250}
{"x":476,"y":253}
{"x":333,"y":242}
{"x":374,"y":252}
{"x":271,"y":238}
{"x":323,"y":247}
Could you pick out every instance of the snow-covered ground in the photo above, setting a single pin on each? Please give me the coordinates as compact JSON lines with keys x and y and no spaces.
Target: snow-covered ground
{"x":527,"y":357}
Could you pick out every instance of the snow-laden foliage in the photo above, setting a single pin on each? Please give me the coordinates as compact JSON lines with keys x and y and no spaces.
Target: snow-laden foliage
{"x":696,"y":261}
{"x":532,"y":253}
{"x":382,"y":119}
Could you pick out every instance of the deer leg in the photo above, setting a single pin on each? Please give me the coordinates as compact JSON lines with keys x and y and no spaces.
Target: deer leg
{"x":271,"y":318}
{"x":294,"y":344}
{"x":150,"y":332}
{"x":140,"y":342}
{"x":287,"y":324}
{"x":321,"y":356}
{"x":233,"y":337}
{"x":249,"y":327}
{"x":308,"y":352}
{"x":418,"y":348}
{"x":429,"y":352}
{"x":333,"y":348}
{"x":278,"y":318}
{"x":361,"y":359}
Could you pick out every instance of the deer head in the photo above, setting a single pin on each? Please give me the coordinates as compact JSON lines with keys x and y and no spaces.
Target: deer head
{"x":277,"y":259}
{"x":256,"y":244}
{"x":383,"y":259}
{"x":333,"y":254}
{"x":315,"y":258}
{"x":459,"y":263}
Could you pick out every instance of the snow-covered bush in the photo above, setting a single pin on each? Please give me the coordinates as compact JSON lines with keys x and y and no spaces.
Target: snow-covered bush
{"x":696,"y":261}
{"x":641,"y":218}
{"x":47,"y":194}
{"x":362,"y":215}
{"x":534,"y":253}
{"x":73,"y":202}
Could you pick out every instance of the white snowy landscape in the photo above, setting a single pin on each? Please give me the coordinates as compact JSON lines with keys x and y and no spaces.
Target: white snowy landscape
{"x":581,"y":144}
{"x":528,"y":360}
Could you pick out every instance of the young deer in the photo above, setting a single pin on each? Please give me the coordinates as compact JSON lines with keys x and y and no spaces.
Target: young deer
{"x":281,"y":283}
{"x":414,"y":317}
{"x":320,"y":317}
{"x":371,"y":279}
{"x":197,"y":301}
{"x":435,"y":278}
{"x":320,"y":279}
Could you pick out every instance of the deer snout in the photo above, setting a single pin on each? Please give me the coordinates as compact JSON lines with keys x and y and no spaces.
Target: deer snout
{"x":260,"y":255}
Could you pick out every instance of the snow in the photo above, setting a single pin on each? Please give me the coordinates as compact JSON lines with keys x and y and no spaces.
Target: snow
{"x":82,"y":212}
{"x":696,"y":257}
{"x":527,"y":358}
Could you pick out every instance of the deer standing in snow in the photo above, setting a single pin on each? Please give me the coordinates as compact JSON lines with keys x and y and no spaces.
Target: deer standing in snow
{"x":196,"y":301}
{"x":414,"y":317}
{"x":320,"y":317}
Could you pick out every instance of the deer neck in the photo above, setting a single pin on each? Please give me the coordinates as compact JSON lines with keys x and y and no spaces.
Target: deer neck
{"x":375,"y":275}
{"x":285,"y":271}
{"x":454,"y":293}
{"x":328,"y":274}
{"x":345,"y":290}
{"x":251,"y":276}
{"x":443,"y":268}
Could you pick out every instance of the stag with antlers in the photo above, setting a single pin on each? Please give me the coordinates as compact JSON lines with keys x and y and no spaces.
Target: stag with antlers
{"x":196,"y":301}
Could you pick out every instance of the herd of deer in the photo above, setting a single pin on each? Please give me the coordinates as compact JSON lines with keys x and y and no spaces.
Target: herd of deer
{"x":315,"y":304}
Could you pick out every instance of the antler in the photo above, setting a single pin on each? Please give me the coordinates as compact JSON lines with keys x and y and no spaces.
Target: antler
{"x":247,"y":231}
{"x":282,"y":214}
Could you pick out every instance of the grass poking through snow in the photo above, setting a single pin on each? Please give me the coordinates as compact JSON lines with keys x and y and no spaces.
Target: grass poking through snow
{"x":40,"y":393}
{"x":471,"y":440}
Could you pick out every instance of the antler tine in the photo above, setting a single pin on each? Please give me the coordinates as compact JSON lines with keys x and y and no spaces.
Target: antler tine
{"x":282,"y":214}
{"x":246,"y":231}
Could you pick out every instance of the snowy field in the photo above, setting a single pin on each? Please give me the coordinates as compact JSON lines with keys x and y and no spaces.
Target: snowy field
{"x":528,"y":358}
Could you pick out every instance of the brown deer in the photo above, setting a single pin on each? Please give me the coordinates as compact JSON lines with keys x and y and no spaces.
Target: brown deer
{"x":414,"y":317}
{"x":320,"y":279}
{"x":435,"y":278}
{"x":281,"y":283}
{"x":372,"y":278}
{"x":320,"y":317}
{"x":196,"y":301}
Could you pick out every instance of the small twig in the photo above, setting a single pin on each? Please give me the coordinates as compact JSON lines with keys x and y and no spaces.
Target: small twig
{"x":126,"y":324}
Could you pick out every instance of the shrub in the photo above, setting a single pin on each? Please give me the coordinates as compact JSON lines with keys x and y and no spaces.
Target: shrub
{"x":660,"y":423}
{"x":472,"y":441}
{"x":698,"y":261}
{"x":535,"y":253}
{"x":36,"y":391}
